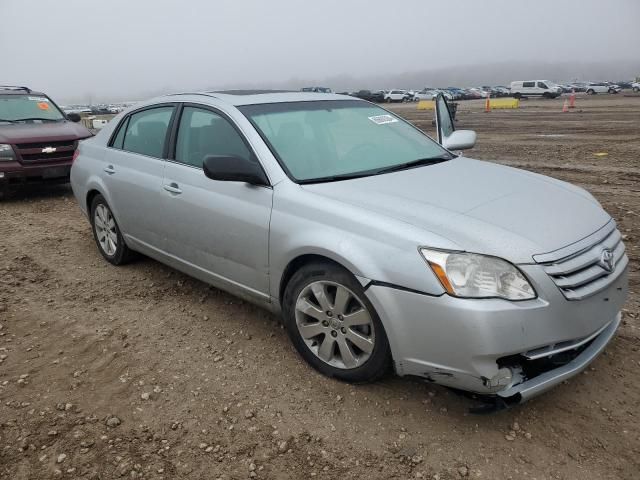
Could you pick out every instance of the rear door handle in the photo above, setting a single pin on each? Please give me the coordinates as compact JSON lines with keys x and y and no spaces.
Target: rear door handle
{"x":110,"y":170}
{"x":173,"y":188}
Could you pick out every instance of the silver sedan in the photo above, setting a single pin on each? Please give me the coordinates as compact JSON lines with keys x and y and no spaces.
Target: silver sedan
{"x":379,"y":247}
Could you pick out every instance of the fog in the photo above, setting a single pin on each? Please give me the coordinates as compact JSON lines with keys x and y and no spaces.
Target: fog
{"x":129,"y":49}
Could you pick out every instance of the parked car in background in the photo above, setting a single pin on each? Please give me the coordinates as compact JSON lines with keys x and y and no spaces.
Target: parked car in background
{"x":37,"y":139}
{"x":339,"y":216}
{"x":395,"y":96}
{"x":601,"y":87}
{"x":370,"y":96}
{"x":635,"y":86}
{"x":535,"y":88}
{"x":425,"y":94}
{"x":502,"y":91}
{"x":624,"y":85}
{"x":578,"y":87}
{"x":478,"y":91}
{"x":472,"y":94}
{"x":317,"y":89}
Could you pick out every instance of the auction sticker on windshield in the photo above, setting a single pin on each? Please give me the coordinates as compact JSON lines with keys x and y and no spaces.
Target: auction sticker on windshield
{"x":39,"y":99}
{"x":382,"y":119}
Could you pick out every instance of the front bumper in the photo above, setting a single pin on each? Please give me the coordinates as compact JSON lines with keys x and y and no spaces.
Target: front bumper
{"x":487,"y":345}
{"x":15,"y":173}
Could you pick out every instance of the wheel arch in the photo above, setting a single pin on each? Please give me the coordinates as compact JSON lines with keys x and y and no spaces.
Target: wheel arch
{"x":300,"y":261}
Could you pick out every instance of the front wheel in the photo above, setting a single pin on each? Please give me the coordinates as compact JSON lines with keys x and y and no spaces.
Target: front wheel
{"x":107,"y":233}
{"x":591,"y":92}
{"x":333,"y":325}
{"x":636,"y":89}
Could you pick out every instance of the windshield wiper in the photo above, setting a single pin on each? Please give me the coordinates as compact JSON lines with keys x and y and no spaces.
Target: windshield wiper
{"x":37,"y":118}
{"x":415,"y":163}
{"x":337,"y":178}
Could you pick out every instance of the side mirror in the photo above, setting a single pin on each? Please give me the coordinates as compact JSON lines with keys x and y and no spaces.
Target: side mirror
{"x":460,"y":140}
{"x":74,"y":117}
{"x":229,"y":168}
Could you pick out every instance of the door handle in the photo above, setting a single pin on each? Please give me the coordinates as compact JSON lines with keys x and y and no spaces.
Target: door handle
{"x":173,"y":188}
{"x":110,"y":170}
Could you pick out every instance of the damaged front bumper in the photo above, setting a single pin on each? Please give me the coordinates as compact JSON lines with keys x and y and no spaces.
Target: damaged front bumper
{"x":587,"y":352}
{"x":511,"y":350}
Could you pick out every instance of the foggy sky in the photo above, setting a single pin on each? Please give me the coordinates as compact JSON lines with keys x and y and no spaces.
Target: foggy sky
{"x":124,"y":49}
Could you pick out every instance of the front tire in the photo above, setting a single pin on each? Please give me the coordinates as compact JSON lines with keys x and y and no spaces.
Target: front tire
{"x":591,"y":92}
{"x":333,"y":325}
{"x":107,"y":234}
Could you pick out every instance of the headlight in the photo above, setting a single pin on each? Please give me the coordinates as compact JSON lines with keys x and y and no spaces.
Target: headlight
{"x":478,"y":276}
{"x":6,"y":153}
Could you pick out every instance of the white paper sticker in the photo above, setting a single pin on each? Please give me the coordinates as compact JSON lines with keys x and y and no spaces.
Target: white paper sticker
{"x":39,"y":99}
{"x":382,"y":119}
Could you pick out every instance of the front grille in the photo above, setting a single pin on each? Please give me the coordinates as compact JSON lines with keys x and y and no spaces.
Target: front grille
{"x":30,"y":153}
{"x":585,"y":273}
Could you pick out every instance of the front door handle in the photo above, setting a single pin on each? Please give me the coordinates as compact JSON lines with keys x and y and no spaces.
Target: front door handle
{"x":173,"y":188}
{"x":110,"y":170}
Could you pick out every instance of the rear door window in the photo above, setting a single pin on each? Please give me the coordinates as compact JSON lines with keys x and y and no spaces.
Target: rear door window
{"x":146,"y":131}
{"x":528,"y":84}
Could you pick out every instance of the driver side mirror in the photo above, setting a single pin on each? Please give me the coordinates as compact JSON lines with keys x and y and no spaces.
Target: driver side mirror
{"x":230,"y":168}
{"x":74,"y":117}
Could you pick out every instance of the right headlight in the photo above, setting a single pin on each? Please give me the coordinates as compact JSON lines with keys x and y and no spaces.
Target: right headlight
{"x":471,"y":275}
{"x":6,"y":153}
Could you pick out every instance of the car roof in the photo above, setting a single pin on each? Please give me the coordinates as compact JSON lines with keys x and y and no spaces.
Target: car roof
{"x":254,"y":97}
{"x":16,"y":91}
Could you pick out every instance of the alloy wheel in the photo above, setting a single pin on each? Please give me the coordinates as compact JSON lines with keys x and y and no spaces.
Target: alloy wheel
{"x":335,"y":324}
{"x":106,"y":232}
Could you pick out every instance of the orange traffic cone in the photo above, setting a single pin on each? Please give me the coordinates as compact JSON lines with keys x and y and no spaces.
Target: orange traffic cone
{"x":487,"y":103}
{"x":572,"y":99}
{"x":565,"y":107}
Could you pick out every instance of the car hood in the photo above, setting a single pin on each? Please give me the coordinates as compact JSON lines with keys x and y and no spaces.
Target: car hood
{"x":478,"y":206}
{"x":42,"y":132}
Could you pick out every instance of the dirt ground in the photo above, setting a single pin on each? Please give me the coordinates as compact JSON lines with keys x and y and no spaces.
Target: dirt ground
{"x":142,"y":372}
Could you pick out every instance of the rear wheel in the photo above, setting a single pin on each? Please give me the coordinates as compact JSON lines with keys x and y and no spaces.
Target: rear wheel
{"x":517,"y":95}
{"x":107,"y":233}
{"x":333,"y":325}
{"x":591,"y":91}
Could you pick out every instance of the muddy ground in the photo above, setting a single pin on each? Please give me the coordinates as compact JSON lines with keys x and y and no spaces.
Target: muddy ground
{"x":142,"y":372}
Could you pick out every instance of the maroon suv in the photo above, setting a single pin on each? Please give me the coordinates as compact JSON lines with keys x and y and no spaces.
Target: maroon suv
{"x":37,"y":140}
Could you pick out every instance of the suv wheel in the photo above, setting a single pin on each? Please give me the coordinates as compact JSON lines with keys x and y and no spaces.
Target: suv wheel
{"x":590,"y":91}
{"x":333,"y":325}
{"x":107,"y":233}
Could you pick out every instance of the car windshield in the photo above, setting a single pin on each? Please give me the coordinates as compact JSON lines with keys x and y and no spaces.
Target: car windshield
{"x":338,"y":139}
{"x":15,"y":108}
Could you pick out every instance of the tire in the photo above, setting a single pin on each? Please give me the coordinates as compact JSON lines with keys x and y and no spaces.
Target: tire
{"x":108,"y":239}
{"x":591,"y":92}
{"x":517,"y":95}
{"x":636,"y":89}
{"x":546,"y":95}
{"x":388,"y":100}
{"x":366,"y":360}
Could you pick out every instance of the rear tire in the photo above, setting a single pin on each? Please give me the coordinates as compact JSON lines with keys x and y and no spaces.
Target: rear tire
{"x":343,"y":335}
{"x":517,"y":95}
{"x":591,"y":92}
{"x":107,"y":234}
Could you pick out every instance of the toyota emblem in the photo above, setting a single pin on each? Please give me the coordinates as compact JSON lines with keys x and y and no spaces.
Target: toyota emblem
{"x":607,"y":261}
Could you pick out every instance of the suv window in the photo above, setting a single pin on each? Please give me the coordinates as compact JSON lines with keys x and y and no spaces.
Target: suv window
{"x":542,"y":85}
{"x":146,"y":131}
{"x":202,"y":132}
{"x":528,"y":84}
